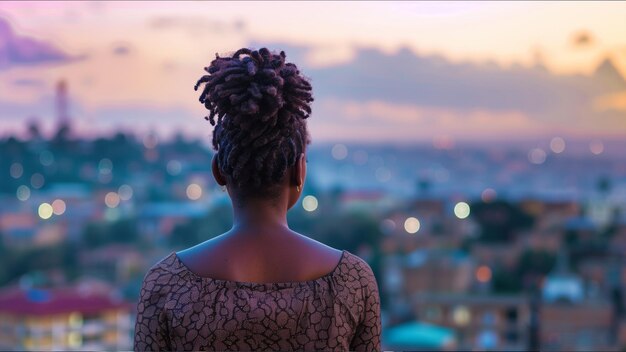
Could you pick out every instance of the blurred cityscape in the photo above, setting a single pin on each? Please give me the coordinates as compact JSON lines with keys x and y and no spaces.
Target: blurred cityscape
{"x":489,"y":247}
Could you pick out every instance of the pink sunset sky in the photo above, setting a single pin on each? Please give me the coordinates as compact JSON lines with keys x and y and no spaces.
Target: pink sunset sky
{"x":381,"y":71}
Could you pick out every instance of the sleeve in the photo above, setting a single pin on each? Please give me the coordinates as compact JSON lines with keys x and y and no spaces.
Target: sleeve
{"x":151,"y":333}
{"x":367,"y":335}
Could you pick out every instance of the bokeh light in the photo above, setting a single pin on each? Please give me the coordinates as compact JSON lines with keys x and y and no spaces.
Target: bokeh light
{"x":537,"y":156}
{"x":557,"y":145}
{"x":125,"y":192}
{"x":461,"y":210}
{"x":596,"y":147}
{"x":16,"y":170}
{"x":309,"y":203}
{"x":112,"y":199}
{"x":411,"y":225}
{"x":339,"y":151}
{"x":488,"y":195}
{"x":194,"y":191}
{"x":45,"y":211}
{"x":483,"y":273}
{"x":105,"y":166}
{"x":461,"y":315}
{"x":46,"y":158}
{"x":58,"y":207}
{"x":37,"y":180}
{"x":23,"y":193}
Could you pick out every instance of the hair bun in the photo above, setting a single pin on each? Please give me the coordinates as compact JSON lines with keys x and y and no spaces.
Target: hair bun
{"x":261,"y":104}
{"x":254,"y":84}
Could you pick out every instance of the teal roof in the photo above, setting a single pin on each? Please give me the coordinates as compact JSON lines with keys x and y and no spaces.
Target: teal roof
{"x":418,"y":335}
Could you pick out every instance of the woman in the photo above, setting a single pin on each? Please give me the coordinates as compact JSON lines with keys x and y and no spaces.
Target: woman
{"x":259,"y":286}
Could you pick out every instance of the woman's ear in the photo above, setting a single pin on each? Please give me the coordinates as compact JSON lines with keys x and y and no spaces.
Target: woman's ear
{"x":219,"y":178}
{"x":300,"y":170}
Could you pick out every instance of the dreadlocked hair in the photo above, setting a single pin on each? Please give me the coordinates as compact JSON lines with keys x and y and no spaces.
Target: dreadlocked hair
{"x":259,"y":105}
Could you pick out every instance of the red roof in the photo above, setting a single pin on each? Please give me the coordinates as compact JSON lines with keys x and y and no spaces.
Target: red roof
{"x":41,"y":302}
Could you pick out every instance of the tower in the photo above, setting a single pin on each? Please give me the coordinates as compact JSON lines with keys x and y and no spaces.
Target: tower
{"x":61,"y":102}
{"x":63,"y":120}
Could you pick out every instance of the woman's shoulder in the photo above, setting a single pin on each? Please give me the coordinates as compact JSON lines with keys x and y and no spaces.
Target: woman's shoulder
{"x":354,"y":262}
{"x":164,"y":273}
{"x":355,"y":271}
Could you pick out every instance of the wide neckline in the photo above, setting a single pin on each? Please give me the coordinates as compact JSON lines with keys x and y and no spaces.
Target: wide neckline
{"x":235,"y":283}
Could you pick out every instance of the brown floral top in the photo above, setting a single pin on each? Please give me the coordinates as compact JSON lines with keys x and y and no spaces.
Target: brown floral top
{"x":179,"y":310}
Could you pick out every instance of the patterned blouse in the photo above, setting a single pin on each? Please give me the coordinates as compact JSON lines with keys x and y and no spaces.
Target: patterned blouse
{"x":179,"y":310}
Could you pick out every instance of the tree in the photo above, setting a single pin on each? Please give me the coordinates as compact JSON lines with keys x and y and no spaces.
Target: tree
{"x":216,"y":222}
{"x":98,"y":234}
{"x":500,"y":220}
{"x":604,"y":185}
{"x":34,"y":133}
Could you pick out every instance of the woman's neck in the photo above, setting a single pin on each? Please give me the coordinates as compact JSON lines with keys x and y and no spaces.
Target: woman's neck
{"x":258,"y":214}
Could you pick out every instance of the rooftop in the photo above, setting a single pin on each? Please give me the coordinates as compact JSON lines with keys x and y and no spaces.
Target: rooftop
{"x":42,"y":302}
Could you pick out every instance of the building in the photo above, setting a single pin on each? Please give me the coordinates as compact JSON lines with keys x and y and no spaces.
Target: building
{"x":157,"y":220}
{"x":437,"y":271}
{"x":582,"y":326}
{"x":485,"y":322}
{"x":18,"y":228}
{"x":70,"y":318}
{"x":571,"y":320}
{"x":117,"y":263}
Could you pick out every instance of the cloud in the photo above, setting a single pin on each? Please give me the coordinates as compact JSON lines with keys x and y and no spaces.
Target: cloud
{"x":295,"y":53}
{"x":616,"y":101}
{"x":411,"y":114}
{"x":121,"y":50}
{"x":381,"y":96}
{"x":407,"y":78}
{"x":28,"y":82}
{"x":404,"y":94}
{"x":379,"y":121}
{"x":318,"y":56}
{"x":196,"y":24}
{"x":583,"y":39}
{"x":16,"y":50}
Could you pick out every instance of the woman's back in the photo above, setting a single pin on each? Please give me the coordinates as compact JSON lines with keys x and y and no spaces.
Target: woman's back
{"x":338,"y":311}
{"x":259,"y":286}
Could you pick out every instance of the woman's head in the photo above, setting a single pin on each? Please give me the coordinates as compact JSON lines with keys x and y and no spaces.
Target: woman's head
{"x":258,"y":104}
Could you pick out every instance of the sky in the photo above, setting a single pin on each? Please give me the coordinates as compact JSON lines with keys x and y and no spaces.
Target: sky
{"x":381,"y":71}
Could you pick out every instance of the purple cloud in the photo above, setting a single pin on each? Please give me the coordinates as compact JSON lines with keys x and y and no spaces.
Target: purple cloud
{"x":28,"y":82}
{"x":121,"y":50}
{"x":16,"y":50}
